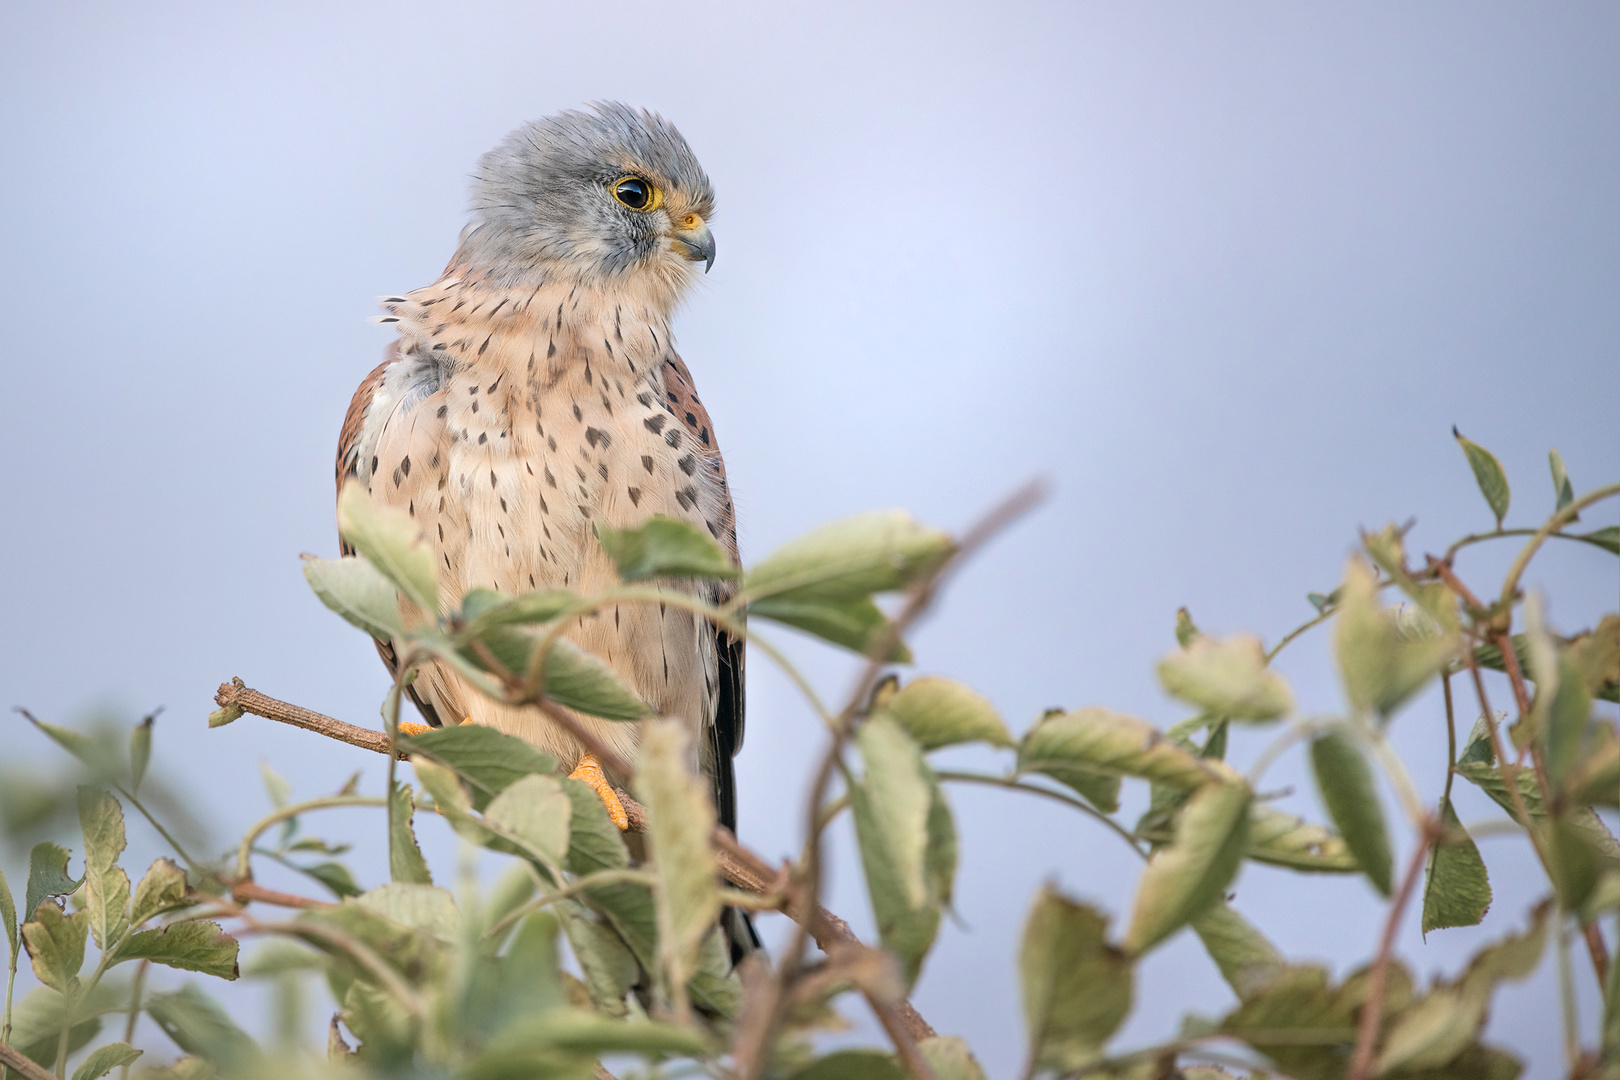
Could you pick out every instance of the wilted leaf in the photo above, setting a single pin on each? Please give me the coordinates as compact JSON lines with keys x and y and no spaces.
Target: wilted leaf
{"x":870,"y":553}
{"x":1247,"y":960}
{"x":487,"y":759}
{"x":1185,"y":878}
{"x":104,"y":1059}
{"x":356,"y":590}
{"x":537,"y":811}
{"x":1347,"y":789}
{"x":940,"y":712}
{"x":420,"y":907}
{"x":392,"y":541}
{"x":1489,"y":475}
{"x":1228,"y":678}
{"x":664,"y":547}
{"x":106,"y":887}
{"x":1380,"y":664}
{"x":853,"y":622}
{"x":950,"y":1058}
{"x":162,"y":888}
{"x":1076,"y":987}
{"x":1456,"y":890}
{"x":47,"y":876}
{"x":56,"y":945}
{"x":1090,"y":749}
{"x":405,"y":861}
{"x":198,"y":1025}
{"x":190,"y":946}
{"x":679,"y":820}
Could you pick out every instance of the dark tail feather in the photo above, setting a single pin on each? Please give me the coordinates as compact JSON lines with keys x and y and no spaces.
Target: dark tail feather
{"x":740,"y":936}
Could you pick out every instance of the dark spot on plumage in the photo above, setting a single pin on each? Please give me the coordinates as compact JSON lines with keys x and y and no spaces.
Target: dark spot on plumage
{"x":578,"y":415}
{"x":531,"y":361}
{"x":503,"y":509}
{"x":551,"y":349}
{"x":458,"y":307}
{"x":589,"y":378}
{"x":559,"y":316}
{"x":585,"y":511}
{"x":645,"y":399}
{"x":441,"y":533}
{"x":526,"y":465}
{"x":646,"y":462}
{"x":501,"y":529}
{"x":682,"y":498}
{"x":447,"y":561}
{"x":655,"y":424}
{"x":595,"y":435}
{"x":405,"y":464}
{"x":398,"y":300}
{"x":687,"y":464}
{"x":411,"y":509}
{"x":616,"y":334}
{"x":544,"y":509}
{"x":704,"y":435}
{"x":635,"y":496}
{"x":584,"y":494}
{"x":673,"y":437}
{"x":580,"y":471}
{"x":543,"y":527}
{"x":714,"y":532}
{"x":531,"y":578}
{"x":485,"y":345}
{"x":496,"y":383}
{"x":496,"y":308}
{"x":374,"y":463}
{"x":388,"y":319}
{"x":440,"y":345}
{"x":475,"y":406}
{"x":508,"y":550}
{"x":606,"y":404}
{"x":671,"y":395}
{"x":483,"y":437}
{"x":615,"y":616}
{"x":552,"y":480}
{"x":691,"y":494}
{"x":492,"y":478}
{"x":602,"y":470}
{"x":434,"y":464}
{"x":551,"y":442}
{"x":691,"y":420}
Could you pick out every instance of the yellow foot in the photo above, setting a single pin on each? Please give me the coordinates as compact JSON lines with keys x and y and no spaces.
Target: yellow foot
{"x":589,"y":771}
{"x":411,"y":727}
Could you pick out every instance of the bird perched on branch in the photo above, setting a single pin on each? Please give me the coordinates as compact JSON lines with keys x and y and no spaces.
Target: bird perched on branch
{"x":534,"y":391}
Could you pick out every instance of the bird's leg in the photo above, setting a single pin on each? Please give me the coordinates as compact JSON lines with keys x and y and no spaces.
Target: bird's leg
{"x":589,"y":771}
{"x":411,"y":727}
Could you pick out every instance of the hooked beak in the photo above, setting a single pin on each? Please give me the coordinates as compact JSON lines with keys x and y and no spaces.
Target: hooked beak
{"x":696,"y":243}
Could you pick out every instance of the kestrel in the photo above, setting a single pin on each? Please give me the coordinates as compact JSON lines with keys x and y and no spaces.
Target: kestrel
{"x":534,"y":391}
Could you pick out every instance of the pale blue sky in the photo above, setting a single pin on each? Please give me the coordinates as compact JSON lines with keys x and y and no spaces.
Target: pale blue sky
{"x":1225,"y":273}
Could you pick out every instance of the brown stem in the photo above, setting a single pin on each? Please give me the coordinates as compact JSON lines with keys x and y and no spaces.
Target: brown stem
{"x":740,"y":866}
{"x":1373,"y":1010}
{"x":22,"y":1064}
{"x":1599,"y":950}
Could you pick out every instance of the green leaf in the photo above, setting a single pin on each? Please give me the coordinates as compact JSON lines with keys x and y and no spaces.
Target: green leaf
{"x":421,"y":907}
{"x":680,"y":817}
{"x":94,"y":754}
{"x":664,"y":547}
{"x":853,"y":622}
{"x":55,"y":943}
{"x":582,"y":1032}
{"x":1295,"y":1020}
{"x":140,"y":753}
{"x":594,"y":842}
{"x":1607,"y":538}
{"x":876,"y":552}
{"x":1562,"y":490}
{"x":8,"y":914}
{"x":1247,"y":960}
{"x":47,"y":876}
{"x":1077,"y":988}
{"x":852,"y":1065}
{"x":1089,"y":749}
{"x":940,"y":712}
{"x":1456,"y":890}
{"x":609,"y":967}
{"x":405,"y":861}
{"x":1187,"y":631}
{"x":536,"y":810}
{"x":1228,"y":678}
{"x":581,"y":681}
{"x":1579,"y":859}
{"x":487,"y":759}
{"x":38,"y":1018}
{"x":392,"y":541}
{"x":451,"y":801}
{"x":358,"y":591}
{"x":106,"y":887}
{"x":334,"y":875}
{"x":162,"y":888}
{"x":1282,"y":839}
{"x":1188,"y":876}
{"x":1347,"y":789}
{"x":198,"y":1025}
{"x":104,"y":1059}
{"x":1381,"y":664}
{"x":485,"y":609}
{"x":1488,"y":474}
{"x":190,"y":946}
{"x":950,"y":1058}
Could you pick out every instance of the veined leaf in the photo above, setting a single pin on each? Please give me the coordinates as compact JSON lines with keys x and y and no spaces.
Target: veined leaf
{"x":487,"y":759}
{"x":1185,"y":878}
{"x":609,"y":967}
{"x":8,"y":915}
{"x":1247,"y":960}
{"x":189,"y":946}
{"x":1077,"y":988}
{"x":359,"y":592}
{"x":1488,"y":474}
{"x":106,"y":887}
{"x":536,"y":810}
{"x":392,"y":541}
{"x":664,"y":547}
{"x":581,"y":681}
{"x":405,"y":861}
{"x":1456,"y":890}
{"x":870,"y":553}
{"x":1282,"y":839}
{"x":55,"y":943}
{"x":680,"y":818}
{"x":162,"y":888}
{"x":940,"y":712}
{"x":47,"y":876}
{"x":1090,"y":749}
{"x":950,"y":1058}
{"x":1227,"y":678}
{"x":1347,"y":789}
{"x":853,"y":622}
{"x":424,"y":908}
{"x":1381,"y":665}
{"x":485,"y":609}
{"x":198,"y":1025}
{"x":104,"y":1059}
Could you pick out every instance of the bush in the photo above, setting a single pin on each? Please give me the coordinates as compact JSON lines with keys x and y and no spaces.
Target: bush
{"x":470,"y":985}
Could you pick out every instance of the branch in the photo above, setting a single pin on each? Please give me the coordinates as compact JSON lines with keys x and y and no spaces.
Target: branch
{"x":1373,"y":1011}
{"x":22,"y":1064}
{"x":739,"y":865}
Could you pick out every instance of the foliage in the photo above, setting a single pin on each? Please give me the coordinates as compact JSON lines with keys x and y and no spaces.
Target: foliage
{"x":434,"y":984}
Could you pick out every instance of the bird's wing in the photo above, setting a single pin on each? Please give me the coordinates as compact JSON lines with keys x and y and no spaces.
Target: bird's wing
{"x":374,"y":401}
{"x":726,"y":735}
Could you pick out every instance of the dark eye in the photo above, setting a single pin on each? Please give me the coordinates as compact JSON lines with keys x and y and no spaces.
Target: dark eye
{"x":636,"y":193}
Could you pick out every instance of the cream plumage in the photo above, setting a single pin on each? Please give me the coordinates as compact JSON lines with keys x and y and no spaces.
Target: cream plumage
{"x":534,"y":390}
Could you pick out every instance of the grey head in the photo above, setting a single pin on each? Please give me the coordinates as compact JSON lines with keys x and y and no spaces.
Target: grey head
{"x":592,"y":197}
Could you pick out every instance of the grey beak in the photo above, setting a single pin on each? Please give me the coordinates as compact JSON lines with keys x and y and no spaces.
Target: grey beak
{"x":696,"y":244}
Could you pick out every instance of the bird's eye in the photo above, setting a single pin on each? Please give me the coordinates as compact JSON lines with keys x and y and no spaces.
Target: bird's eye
{"x":637,"y":194}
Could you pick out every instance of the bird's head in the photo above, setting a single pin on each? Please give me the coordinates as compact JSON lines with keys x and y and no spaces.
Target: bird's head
{"x":608,"y":197}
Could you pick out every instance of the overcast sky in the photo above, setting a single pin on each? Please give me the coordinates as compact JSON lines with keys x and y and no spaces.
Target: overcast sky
{"x":1226,"y":274}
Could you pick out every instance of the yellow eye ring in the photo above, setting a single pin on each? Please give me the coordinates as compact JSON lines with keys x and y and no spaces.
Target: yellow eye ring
{"x":637,"y":193}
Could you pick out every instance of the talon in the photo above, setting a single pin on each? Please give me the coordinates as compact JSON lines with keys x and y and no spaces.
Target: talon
{"x":411,"y":727}
{"x":589,"y":771}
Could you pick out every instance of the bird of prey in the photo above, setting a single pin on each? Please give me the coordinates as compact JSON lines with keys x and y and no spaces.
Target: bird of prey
{"x":534,"y":390}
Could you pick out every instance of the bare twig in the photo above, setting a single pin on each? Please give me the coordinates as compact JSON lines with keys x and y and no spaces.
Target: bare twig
{"x":22,"y":1064}
{"x":1373,"y":1011}
{"x":239,"y":694}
